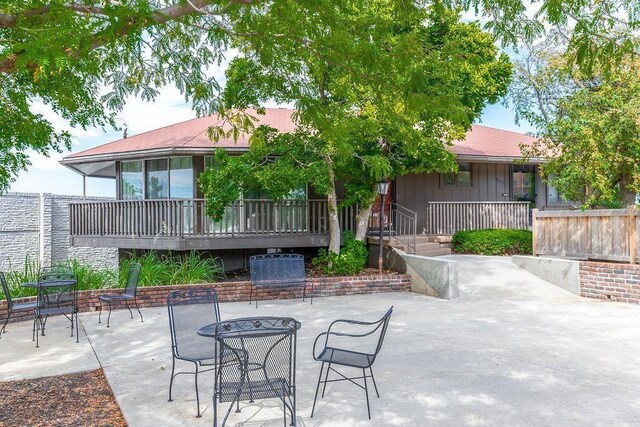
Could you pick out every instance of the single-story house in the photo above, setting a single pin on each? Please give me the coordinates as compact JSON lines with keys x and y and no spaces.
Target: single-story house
{"x":159,"y":205}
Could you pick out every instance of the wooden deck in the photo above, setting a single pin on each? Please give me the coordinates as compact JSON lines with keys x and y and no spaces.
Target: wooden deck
{"x":183,"y":224}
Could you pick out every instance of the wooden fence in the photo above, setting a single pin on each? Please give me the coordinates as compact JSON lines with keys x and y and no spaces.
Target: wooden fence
{"x":602,"y":234}
{"x":445,"y":218}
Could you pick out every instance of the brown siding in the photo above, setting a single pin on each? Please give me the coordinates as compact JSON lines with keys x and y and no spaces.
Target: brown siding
{"x":489,"y":182}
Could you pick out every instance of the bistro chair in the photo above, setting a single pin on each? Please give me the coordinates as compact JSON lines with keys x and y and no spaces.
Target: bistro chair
{"x":13,"y":307}
{"x":353,"y":350}
{"x":57,"y":295}
{"x":263,"y":350}
{"x":190,"y":310}
{"x":129,"y":294}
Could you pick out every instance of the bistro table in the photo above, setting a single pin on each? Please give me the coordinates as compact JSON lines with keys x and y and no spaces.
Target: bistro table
{"x":54,"y":283}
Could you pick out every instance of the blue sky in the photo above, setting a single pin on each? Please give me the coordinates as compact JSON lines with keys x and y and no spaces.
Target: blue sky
{"x":48,"y":176}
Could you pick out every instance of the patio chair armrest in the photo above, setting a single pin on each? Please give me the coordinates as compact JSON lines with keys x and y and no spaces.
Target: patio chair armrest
{"x":351,"y":322}
{"x":335,"y":334}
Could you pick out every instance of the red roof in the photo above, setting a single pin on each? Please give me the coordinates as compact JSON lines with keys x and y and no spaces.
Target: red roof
{"x":192,"y":134}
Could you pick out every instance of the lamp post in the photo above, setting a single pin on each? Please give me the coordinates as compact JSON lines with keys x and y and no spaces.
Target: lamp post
{"x":383,"y":186}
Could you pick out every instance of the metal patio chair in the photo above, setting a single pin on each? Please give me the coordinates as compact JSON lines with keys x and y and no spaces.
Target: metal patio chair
{"x":13,"y":307}
{"x":57,"y":295}
{"x":264,"y":353}
{"x":355,"y":350}
{"x":277,"y":270}
{"x":189,"y":310}
{"x":129,"y":294}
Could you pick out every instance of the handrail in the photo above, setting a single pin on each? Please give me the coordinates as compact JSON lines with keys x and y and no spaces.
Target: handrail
{"x":399,"y":223}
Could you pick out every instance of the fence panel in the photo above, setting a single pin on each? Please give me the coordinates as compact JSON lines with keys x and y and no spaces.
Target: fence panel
{"x":600,"y":234}
{"x":445,"y":218}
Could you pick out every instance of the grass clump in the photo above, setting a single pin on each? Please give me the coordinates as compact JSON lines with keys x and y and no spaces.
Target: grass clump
{"x":351,"y":259}
{"x":493,"y":242}
{"x":157,"y":270}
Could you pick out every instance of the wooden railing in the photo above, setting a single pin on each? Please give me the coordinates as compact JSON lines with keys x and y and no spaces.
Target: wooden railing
{"x":187,"y":217}
{"x":445,"y":218}
{"x":602,"y":234}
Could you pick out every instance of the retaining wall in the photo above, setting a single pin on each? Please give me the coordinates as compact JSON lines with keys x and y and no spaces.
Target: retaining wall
{"x":153,"y":296}
{"x":37,"y":226}
{"x":610,"y":281}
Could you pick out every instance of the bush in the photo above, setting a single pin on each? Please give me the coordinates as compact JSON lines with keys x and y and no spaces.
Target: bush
{"x":493,"y":242}
{"x":173,"y":270}
{"x":351,"y":259}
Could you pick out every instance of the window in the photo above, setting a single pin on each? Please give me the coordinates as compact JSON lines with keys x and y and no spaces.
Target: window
{"x":462,"y":179}
{"x":157,"y":179}
{"x":131,"y":178}
{"x":553,"y":196}
{"x":181,"y":178}
{"x":524,"y":183}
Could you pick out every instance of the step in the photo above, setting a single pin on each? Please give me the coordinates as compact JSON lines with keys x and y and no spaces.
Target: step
{"x":434,"y":252}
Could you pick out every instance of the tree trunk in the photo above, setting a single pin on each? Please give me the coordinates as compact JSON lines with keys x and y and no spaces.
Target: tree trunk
{"x":362,"y":222}
{"x":334,"y":220}
{"x":628,"y":194}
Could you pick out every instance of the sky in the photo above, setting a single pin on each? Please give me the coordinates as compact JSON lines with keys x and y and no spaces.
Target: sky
{"x":46,"y":175}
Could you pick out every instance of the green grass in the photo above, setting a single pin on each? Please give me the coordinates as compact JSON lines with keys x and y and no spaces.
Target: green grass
{"x":493,"y":242}
{"x":156,"y":270}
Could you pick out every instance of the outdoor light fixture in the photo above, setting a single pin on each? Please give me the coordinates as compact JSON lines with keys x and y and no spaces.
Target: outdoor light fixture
{"x":383,"y":187}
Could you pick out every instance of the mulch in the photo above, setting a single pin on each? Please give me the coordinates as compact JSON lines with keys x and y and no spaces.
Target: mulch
{"x":80,"y":399}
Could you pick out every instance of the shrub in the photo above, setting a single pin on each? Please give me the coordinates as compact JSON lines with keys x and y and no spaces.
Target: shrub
{"x":173,"y":270}
{"x":493,"y":242}
{"x":351,"y":259}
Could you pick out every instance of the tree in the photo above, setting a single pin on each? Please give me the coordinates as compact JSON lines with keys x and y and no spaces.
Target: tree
{"x":68,"y":53}
{"x":392,"y":106}
{"x":592,"y":142}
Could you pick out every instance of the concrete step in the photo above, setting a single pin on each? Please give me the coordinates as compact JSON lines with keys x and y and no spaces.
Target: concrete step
{"x":434,"y":252}
{"x":426,"y":246}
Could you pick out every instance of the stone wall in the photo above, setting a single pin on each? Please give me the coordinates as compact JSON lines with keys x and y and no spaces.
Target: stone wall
{"x":153,"y":296}
{"x":37,"y":226}
{"x":610,"y":281}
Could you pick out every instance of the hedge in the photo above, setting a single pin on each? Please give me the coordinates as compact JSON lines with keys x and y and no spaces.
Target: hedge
{"x":493,"y":242}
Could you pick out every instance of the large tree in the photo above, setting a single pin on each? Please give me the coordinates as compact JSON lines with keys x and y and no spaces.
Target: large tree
{"x":391,"y":107}
{"x":67,"y":54}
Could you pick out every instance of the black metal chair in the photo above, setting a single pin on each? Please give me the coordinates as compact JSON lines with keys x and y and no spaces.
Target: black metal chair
{"x":277,"y":270}
{"x":13,"y":307}
{"x":189,"y":310}
{"x":263,"y":365}
{"x":129,"y":294}
{"x":57,"y":295}
{"x":359,"y":350}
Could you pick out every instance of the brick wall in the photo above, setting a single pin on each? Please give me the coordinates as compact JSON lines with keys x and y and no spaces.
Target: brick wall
{"x":153,"y":296}
{"x":610,"y":281}
{"x":37,"y":226}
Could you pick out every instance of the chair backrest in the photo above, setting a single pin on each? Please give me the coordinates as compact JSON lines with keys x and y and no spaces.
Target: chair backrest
{"x":57,"y":291}
{"x":259,"y":355}
{"x":5,"y":290}
{"x":383,"y":324}
{"x":133,"y":276}
{"x":189,"y":310}
{"x":275,"y":269}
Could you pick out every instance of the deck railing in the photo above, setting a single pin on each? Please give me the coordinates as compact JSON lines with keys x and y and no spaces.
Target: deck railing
{"x":445,"y":218}
{"x":187,"y":218}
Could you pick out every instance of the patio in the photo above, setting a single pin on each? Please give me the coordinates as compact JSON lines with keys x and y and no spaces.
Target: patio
{"x":512,"y":350}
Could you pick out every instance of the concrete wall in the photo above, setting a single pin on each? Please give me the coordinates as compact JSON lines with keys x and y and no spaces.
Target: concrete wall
{"x":564,"y":273}
{"x":37,"y":226}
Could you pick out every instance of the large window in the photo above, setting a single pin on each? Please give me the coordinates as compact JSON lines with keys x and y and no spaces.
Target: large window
{"x":131,"y":180}
{"x":157,"y":179}
{"x":524,"y":183}
{"x":462,"y":179}
{"x":181,"y":178}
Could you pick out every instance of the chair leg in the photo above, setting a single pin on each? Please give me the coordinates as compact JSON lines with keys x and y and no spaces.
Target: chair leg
{"x":374,"y":382}
{"x":109,"y":316}
{"x":100,"y":313}
{"x":366,"y":391}
{"x":33,"y":337}
{"x":135,"y":301}
{"x":215,"y":409}
{"x":197,"y":393}
{"x":77,"y":330}
{"x":126,"y":304}
{"x":173,"y":369}
{"x":326,"y":377}
{"x":2,"y":331}
{"x":313,"y":408}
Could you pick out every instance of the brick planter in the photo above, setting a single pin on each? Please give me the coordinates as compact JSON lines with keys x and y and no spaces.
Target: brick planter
{"x":610,"y":281}
{"x":153,"y":296}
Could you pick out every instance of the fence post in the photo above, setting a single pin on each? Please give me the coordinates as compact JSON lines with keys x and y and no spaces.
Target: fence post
{"x":633,"y":237}
{"x":534,"y":226}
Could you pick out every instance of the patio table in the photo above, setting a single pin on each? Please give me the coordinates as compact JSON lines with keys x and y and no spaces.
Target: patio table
{"x":50,"y":283}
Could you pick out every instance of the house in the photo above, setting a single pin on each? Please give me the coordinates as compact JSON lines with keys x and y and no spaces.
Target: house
{"x":159,"y":205}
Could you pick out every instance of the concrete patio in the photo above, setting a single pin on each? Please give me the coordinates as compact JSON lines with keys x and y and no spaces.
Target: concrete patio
{"x":512,"y":350}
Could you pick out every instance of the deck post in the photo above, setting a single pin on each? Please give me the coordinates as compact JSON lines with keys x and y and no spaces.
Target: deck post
{"x":534,"y":226}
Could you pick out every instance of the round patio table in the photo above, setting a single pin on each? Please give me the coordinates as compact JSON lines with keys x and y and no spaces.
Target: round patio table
{"x":233,"y":327}
{"x":53,"y":283}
